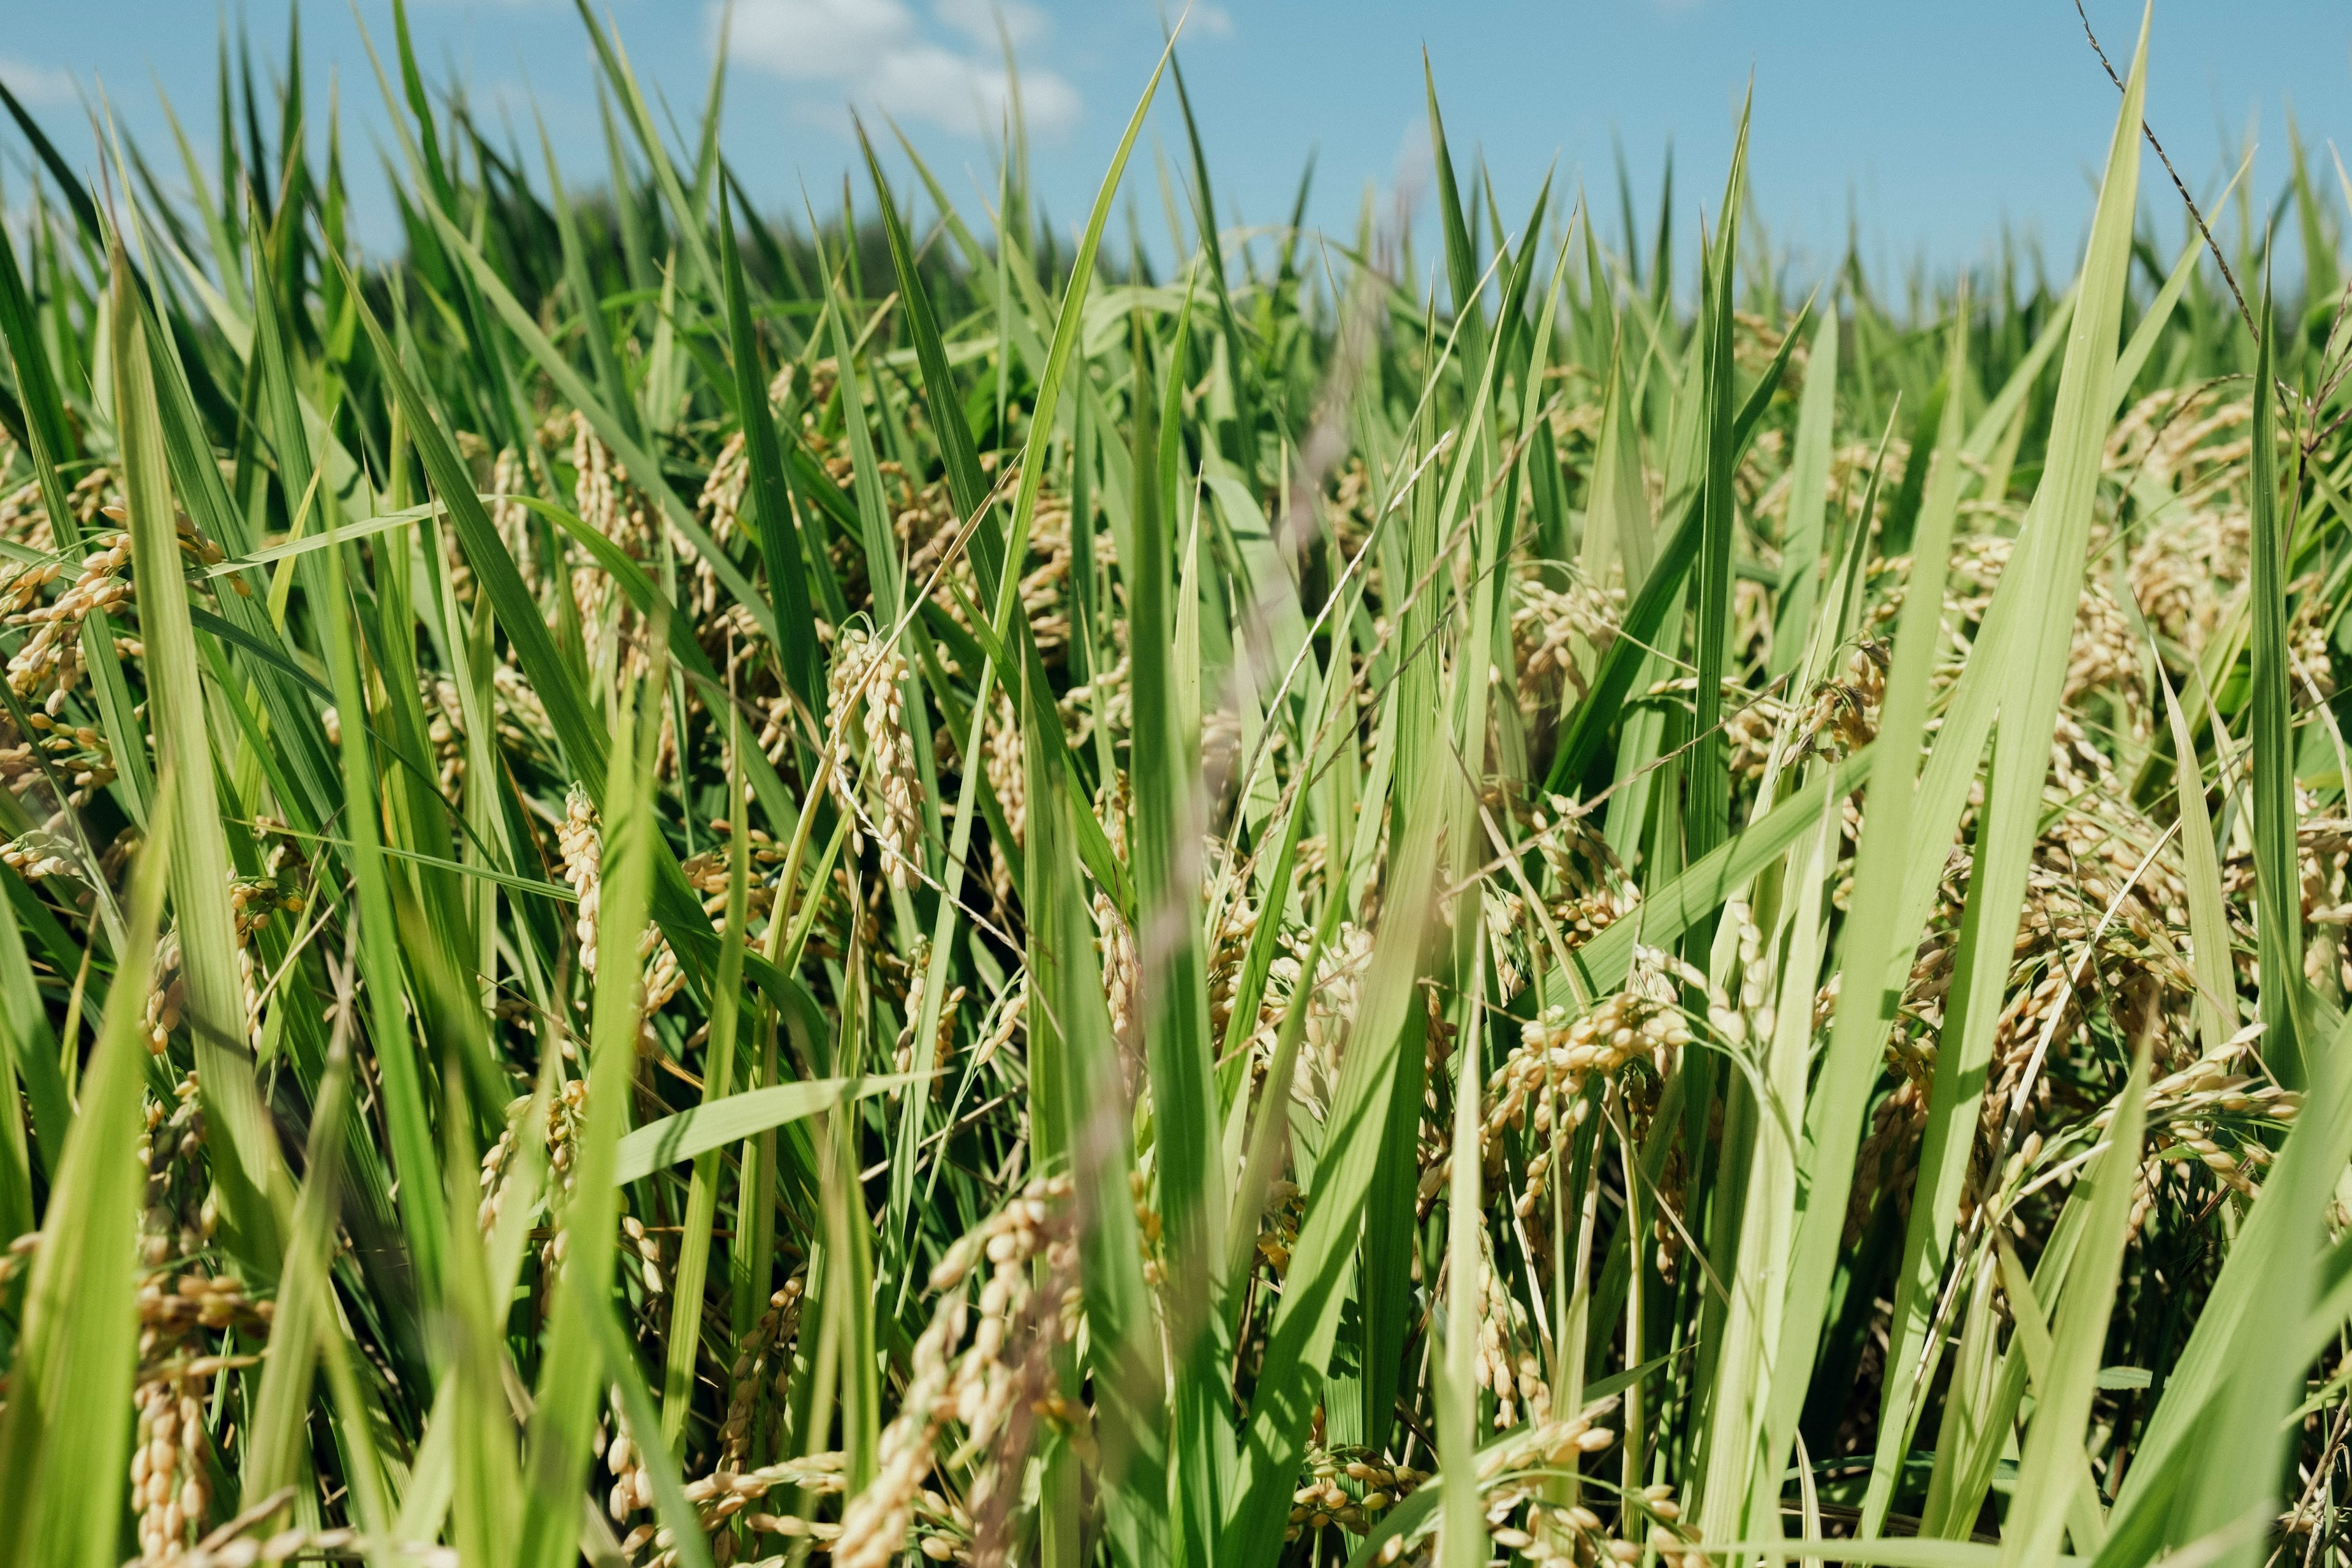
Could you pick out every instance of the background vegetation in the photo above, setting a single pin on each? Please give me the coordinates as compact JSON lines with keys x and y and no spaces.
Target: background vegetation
{"x":690,"y":889}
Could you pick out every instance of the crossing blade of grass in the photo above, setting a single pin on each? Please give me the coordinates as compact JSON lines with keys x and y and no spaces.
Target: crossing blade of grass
{"x":1462,"y":1534}
{"x":690,"y":1134}
{"x":1903,"y":509}
{"x":468,"y":1467}
{"x":2216,"y":1351}
{"x":1249,"y":990}
{"x":1175,"y":1012}
{"x":1305,"y":1324}
{"x":1081,"y":1118}
{"x":644,"y":595}
{"x":17,"y":1162}
{"x":2049,"y":564}
{"x":1972,"y":1403}
{"x":1708,"y":812}
{"x":1951,"y":1126}
{"x":565,"y":1407}
{"x":250,"y":1169}
{"x":1967,"y":1453}
{"x":32,"y":1038}
{"x":2046,"y":1477}
{"x":1701,"y":887}
{"x":2084,"y":1523}
{"x":357,"y":1425}
{"x":913,"y":1124}
{"x":406,"y":1087}
{"x":2277,"y":878}
{"x":2208,"y":916}
{"x":772,"y":509}
{"x":1269,"y":1129}
{"x":718,"y":1081}
{"x":68,"y":1419}
{"x":278,"y":1441}
{"x":2252,"y":1417}
{"x":76,"y":194}
{"x":1744,"y":1371}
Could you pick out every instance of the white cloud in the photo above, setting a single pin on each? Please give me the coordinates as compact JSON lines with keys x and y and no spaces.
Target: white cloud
{"x":36,"y":84}
{"x":978,"y":19}
{"x":1210,"y":21}
{"x":882,"y":54}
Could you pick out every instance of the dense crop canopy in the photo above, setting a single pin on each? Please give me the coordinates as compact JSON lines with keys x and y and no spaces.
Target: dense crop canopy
{"x":698,"y":891}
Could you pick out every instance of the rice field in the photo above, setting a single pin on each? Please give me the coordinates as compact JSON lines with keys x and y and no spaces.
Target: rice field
{"x":892,"y":886}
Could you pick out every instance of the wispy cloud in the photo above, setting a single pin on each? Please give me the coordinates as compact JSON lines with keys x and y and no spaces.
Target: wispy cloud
{"x":946,"y":67}
{"x":1210,"y":21}
{"x":36,"y":84}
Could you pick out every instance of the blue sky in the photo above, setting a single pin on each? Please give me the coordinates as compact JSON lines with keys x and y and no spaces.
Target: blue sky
{"x":1932,"y":124}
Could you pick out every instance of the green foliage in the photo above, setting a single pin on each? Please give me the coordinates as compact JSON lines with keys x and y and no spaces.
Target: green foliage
{"x":892,"y":888}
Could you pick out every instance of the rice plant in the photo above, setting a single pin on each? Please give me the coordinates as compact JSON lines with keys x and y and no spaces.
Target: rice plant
{"x":689,"y":889}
